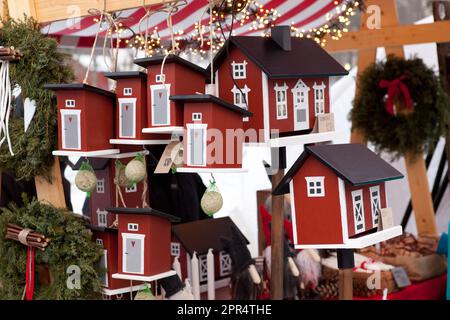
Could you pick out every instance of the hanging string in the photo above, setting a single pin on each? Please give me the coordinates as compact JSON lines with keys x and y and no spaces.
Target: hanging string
{"x":5,"y":104}
{"x":119,"y":194}
{"x":95,"y":44}
{"x":211,"y":51}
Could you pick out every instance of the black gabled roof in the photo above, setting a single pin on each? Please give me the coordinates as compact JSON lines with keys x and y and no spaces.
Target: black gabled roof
{"x":79,"y":86}
{"x":352,"y":162}
{"x":96,"y":163}
{"x":125,"y":75}
{"x":202,"y":235}
{"x":305,"y":59}
{"x":103,"y":229}
{"x":144,"y":211}
{"x":145,"y":62}
{"x":205,"y":98}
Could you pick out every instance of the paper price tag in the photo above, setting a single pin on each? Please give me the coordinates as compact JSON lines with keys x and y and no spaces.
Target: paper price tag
{"x":169,"y":157}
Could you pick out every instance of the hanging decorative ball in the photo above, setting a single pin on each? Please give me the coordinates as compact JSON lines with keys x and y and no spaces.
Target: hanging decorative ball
{"x":212,"y":200}
{"x":135,"y":170}
{"x":85,"y":180}
{"x":121,"y":177}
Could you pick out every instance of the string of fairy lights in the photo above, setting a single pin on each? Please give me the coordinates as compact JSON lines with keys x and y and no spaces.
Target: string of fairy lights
{"x":244,"y":13}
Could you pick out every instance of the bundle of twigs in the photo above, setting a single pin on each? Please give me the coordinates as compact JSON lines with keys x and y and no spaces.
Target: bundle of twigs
{"x":10,"y":54}
{"x":27,"y":237}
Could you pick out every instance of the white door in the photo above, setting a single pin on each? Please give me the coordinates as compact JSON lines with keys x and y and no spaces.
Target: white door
{"x":127,"y":121}
{"x":133,"y":253}
{"x":301,"y":106}
{"x":71,"y":129}
{"x":358,"y":211}
{"x":160,"y":105}
{"x":197,"y":144}
{"x":375,"y":205}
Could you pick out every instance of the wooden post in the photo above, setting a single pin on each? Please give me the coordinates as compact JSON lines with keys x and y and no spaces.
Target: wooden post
{"x":53,"y":192}
{"x":346,"y":263}
{"x":277,"y":227}
{"x":415,"y":165}
{"x":441,"y":12}
{"x":4,"y":9}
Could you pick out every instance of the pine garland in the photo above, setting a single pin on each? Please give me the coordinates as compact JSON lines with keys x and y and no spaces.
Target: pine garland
{"x":415,"y":132}
{"x":71,"y":244}
{"x":42,"y":63}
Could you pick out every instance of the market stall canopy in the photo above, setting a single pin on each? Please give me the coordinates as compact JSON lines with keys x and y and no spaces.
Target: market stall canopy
{"x":80,"y":32}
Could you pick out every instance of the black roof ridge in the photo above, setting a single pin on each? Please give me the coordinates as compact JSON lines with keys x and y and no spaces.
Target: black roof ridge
{"x":124,"y":74}
{"x":79,"y":86}
{"x":210,"y":98}
{"x":145,"y":62}
{"x":144,"y":211}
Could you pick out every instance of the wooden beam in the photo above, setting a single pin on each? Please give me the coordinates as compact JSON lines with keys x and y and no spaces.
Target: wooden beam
{"x":53,"y":10}
{"x":3,"y":9}
{"x":438,"y":32}
{"x":53,"y":192}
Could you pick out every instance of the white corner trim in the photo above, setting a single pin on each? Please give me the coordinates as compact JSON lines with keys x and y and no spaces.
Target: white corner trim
{"x":144,"y":278}
{"x":266,"y":108}
{"x":97,"y":153}
{"x":293,"y":212}
{"x":113,"y":292}
{"x":343,"y":206}
{"x":359,"y":243}
{"x":216,"y":84}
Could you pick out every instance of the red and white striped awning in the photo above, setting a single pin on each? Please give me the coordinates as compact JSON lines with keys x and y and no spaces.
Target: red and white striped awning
{"x":303,"y":14}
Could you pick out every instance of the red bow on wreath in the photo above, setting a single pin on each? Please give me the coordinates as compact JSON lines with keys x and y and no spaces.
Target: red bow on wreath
{"x":396,"y":88}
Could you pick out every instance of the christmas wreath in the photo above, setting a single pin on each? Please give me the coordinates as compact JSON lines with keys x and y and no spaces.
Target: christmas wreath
{"x":70,"y":246}
{"x":401,"y":106}
{"x":42,"y":63}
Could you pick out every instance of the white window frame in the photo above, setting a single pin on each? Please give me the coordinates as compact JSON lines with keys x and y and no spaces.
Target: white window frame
{"x":100,"y":187}
{"x":197,"y":116}
{"x":315,"y":180}
{"x":153,"y":88}
{"x":281,"y":89}
{"x":239,"y":70}
{"x":131,"y":189}
{"x":125,"y":101}
{"x":375,"y":217}
{"x":125,"y":237}
{"x":70,"y":103}
{"x":205,"y":141}
{"x":203,"y":268}
{"x":99,"y":242}
{"x":354,"y":195}
{"x":101,"y":213}
{"x":160,"y":78}
{"x":319,"y":98}
{"x":225,"y":264}
{"x":133,"y":227}
{"x":241,"y":104}
{"x":127,"y":91}
{"x":175,"y":249}
{"x":76,"y":113}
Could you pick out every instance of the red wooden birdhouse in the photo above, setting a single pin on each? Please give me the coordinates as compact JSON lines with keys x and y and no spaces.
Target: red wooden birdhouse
{"x":338,"y":197}
{"x":283,"y":81}
{"x":177,"y":77}
{"x":108,"y":193}
{"x":214,"y":133}
{"x":107,"y":239}
{"x":144,"y":244}
{"x":131,"y":111}
{"x":85,"y":120}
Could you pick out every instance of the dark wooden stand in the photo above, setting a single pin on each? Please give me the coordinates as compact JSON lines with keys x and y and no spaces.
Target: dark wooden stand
{"x":346,"y":263}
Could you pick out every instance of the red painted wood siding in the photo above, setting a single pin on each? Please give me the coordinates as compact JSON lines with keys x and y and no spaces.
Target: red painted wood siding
{"x":367,"y":206}
{"x":253,"y":82}
{"x":110,"y":244}
{"x":287,"y":125}
{"x":318,"y":220}
{"x":98,"y":125}
{"x":182,"y":81}
{"x":219,"y":120}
